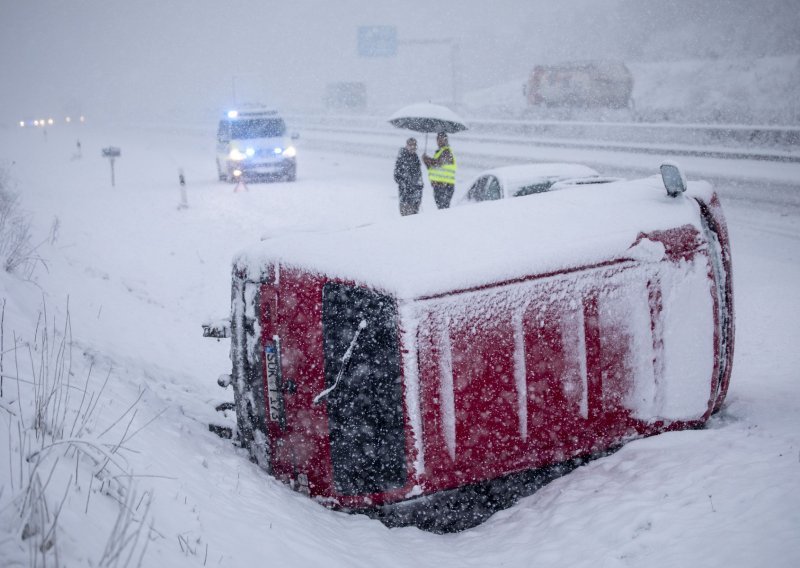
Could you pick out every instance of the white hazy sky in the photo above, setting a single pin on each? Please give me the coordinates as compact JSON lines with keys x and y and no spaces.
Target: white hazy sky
{"x":120,"y":59}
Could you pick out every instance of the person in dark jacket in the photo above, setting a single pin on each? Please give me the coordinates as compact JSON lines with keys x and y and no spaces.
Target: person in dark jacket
{"x":408,"y":175}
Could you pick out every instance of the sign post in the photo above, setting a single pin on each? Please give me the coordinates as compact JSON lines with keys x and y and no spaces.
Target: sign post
{"x":112,"y":153}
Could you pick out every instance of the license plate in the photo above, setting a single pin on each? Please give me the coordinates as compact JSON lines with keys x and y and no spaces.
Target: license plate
{"x":265,"y":167}
{"x":273,"y":362}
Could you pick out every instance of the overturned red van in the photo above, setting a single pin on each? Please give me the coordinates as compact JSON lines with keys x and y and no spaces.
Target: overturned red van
{"x":382,"y":368}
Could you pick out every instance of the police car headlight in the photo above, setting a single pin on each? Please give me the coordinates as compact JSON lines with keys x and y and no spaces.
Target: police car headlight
{"x":290,"y":152}
{"x":237,"y":154}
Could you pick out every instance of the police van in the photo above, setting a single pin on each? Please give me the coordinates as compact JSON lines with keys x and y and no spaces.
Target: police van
{"x":253,"y":143}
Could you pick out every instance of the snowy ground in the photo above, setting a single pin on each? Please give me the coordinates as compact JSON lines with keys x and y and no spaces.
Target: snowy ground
{"x":137,"y":276}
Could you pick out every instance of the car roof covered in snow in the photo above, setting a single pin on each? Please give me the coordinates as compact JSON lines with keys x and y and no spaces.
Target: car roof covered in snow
{"x":525,"y":173}
{"x":514,"y":177}
{"x":436,"y":252}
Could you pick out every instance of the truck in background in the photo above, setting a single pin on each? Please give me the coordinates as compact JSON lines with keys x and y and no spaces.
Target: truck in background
{"x":581,"y":84}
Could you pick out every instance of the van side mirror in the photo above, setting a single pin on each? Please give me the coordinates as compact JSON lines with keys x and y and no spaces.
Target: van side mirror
{"x":673,"y":179}
{"x":295,"y":136}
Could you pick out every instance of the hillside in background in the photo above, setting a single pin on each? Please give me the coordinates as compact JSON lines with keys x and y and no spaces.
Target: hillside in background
{"x":762,"y":90}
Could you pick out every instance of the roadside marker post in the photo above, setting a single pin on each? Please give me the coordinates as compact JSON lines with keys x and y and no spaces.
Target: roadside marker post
{"x":112,"y":153}
{"x":184,"y":204}
{"x":240,"y":185}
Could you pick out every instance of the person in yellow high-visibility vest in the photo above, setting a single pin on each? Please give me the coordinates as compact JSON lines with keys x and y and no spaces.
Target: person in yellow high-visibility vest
{"x":442,"y":172}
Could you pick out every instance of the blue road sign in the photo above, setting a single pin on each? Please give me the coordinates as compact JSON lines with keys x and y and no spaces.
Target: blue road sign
{"x":377,"y":41}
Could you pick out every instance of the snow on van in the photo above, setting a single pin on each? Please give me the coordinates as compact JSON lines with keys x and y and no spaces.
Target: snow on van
{"x":396,"y":368}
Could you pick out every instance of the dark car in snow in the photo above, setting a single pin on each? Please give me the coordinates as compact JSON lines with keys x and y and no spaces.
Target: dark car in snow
{"x":378,"y":374}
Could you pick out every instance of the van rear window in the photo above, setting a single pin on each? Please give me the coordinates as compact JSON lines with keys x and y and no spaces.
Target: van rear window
{"x":257,"y":128}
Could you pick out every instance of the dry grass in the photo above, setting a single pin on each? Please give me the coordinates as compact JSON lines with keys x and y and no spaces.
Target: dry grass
{"x":54,"y":455}
{"x":17,"y":253}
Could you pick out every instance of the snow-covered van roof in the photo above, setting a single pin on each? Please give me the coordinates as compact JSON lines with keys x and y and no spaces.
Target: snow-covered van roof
{"x":456,"y":249}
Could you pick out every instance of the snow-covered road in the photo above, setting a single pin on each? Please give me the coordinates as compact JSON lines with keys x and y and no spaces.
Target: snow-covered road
{"x":137,"y":276}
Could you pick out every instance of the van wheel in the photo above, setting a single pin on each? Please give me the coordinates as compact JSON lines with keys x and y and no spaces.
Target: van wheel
{"x":291,"y":175}
{"x":222,"y":176}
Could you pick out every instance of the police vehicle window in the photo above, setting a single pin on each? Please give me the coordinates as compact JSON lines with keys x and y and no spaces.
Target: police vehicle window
{"x":258,"y":128}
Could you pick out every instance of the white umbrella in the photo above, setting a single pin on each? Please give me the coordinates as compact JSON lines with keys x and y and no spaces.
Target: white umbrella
{"x":427,"y":117}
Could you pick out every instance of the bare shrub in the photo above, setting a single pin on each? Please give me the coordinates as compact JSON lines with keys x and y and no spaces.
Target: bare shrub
{"x":17,"y":254}
{"x":51,"y":445}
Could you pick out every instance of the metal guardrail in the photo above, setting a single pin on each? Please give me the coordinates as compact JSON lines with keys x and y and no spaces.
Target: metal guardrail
{"x":731,"y":141}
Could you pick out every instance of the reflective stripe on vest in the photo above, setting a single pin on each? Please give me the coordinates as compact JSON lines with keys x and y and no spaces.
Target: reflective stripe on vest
{"x":446,"y":173}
